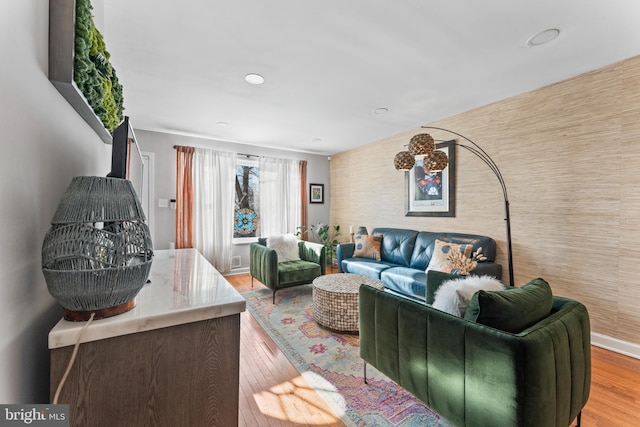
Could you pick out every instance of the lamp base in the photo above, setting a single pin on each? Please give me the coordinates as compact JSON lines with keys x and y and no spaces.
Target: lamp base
{"x":103,"y":313}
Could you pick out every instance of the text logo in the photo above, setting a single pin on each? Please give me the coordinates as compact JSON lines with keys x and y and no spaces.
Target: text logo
{"x":34,"y":415}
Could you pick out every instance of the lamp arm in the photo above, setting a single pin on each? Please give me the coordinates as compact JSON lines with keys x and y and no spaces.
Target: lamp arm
{"x":489,"y":162}
{"x":479,"y":152}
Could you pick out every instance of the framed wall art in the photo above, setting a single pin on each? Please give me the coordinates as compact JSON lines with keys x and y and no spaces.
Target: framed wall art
{"x":316,"y":193}
{"x":429,"y":193}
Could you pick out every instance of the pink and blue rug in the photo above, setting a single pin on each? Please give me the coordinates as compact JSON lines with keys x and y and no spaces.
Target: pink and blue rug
{"x":331,"y":363}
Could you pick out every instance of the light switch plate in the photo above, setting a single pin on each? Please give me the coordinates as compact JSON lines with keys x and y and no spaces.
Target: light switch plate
{"x":163,"y":203}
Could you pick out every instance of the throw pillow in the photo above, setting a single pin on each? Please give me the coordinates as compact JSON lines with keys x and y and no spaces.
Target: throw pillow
{"x":439,"y":260}
{"x":286,"y":247}
{"x":453,"y":295}
{"x":368,"y":246}
{"x":514,"y":309}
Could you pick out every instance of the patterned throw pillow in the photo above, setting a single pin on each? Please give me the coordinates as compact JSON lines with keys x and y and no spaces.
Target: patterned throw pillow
{"x":368,"y":246}
{"x":441,"y":251}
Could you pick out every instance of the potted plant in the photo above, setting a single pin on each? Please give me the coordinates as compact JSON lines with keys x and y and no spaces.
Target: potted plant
{"x":328,"y":237}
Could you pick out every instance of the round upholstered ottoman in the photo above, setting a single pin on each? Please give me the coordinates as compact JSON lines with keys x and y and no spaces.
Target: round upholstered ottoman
{"x":335,"y":300}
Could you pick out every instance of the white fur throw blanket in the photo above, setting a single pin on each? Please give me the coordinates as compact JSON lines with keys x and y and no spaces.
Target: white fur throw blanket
{"x":454,"y":295}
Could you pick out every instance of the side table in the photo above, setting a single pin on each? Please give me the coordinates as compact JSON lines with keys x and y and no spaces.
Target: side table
{"x":335,"y":300}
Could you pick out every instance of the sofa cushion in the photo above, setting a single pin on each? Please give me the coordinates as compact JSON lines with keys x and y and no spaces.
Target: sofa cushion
{"x":406,"y":281}
{"x":513,"y":309}
{"x":294,"y":272}
{"x":454,"y":295}
{"x":397,"y":245}
{"x":425,"y":245}
{"x":285,"y":246}
{"x":368,"y":246}
{"x":439,"y":259}
{"x":365,"y":266}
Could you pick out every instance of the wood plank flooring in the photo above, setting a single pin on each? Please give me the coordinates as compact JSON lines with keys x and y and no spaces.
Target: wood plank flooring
{"x":273,"y":393}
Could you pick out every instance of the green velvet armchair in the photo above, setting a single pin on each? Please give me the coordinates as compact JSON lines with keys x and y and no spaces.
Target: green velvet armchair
{"x":475,"y":375}
{"x":264,"y":265}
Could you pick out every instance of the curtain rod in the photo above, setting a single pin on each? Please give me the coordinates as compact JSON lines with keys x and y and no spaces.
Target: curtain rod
{"x":238,"y":154}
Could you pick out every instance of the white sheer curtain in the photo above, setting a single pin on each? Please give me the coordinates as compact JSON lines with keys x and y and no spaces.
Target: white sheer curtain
{"x":279,"y":196}
{"x":213,"y":199}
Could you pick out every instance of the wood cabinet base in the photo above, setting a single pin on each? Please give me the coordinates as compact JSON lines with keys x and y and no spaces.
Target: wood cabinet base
{"x":184,"y":375}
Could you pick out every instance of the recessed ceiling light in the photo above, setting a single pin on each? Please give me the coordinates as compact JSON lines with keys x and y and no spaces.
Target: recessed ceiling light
{"x":380,"y":110}
{"x":222,"y":124}
{"x":254,"y":79}
{"x":543,"y":37}
{"x":316,"y":140}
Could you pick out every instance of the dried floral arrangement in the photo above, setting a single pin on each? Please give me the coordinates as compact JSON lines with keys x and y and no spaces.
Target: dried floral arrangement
{"x":463,"y":264}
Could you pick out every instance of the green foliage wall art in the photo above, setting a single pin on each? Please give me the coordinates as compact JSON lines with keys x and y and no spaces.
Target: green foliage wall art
{"x":93,"y":74}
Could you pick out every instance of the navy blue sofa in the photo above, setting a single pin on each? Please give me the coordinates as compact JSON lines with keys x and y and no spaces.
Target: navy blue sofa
{"x":405,"y":255}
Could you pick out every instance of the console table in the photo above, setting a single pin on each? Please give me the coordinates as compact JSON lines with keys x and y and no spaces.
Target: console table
{"x":172,"y":360}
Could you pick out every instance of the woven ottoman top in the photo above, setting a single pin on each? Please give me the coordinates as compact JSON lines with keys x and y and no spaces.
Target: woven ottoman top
{"x":344,"y":283}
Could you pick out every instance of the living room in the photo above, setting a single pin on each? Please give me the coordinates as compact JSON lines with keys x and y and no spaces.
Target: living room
{"x":567,"y":152}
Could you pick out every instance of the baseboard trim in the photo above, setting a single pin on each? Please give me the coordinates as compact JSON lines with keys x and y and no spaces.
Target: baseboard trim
{"x":614,"y":344}
{"x":235,"y":271}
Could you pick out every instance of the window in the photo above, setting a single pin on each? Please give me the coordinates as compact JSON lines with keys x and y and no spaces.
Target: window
{"x":247,"y":200}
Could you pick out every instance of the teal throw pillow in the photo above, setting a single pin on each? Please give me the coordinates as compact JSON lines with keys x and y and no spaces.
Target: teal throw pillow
{"x":513,"y":309}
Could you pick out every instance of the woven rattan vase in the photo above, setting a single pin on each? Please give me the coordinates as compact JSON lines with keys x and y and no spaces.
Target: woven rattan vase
{"x":97,"y":254}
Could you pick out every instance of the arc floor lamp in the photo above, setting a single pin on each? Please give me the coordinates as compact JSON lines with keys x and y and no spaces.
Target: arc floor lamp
{"x":424,"y":145}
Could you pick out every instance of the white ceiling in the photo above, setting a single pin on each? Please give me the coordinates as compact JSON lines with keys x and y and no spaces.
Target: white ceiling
{"x":329,"y":64}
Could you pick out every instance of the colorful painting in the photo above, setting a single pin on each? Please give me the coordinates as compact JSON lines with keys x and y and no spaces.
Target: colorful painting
{"x":316,"y":193}
{"x":431,"y":193}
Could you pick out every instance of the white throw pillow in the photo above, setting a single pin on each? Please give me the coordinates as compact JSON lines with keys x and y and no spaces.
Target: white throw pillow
{"x":453,"y":296}
{"x":285,"y":246}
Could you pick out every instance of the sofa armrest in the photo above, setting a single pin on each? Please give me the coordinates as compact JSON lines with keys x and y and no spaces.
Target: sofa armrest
{"x":263,"y":264}
{"x":314,"y":252}
{"x":488,"y":268}
{"x":344,"y":251}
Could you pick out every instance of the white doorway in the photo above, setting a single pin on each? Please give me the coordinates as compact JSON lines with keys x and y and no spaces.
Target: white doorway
{"x":148,"y":178}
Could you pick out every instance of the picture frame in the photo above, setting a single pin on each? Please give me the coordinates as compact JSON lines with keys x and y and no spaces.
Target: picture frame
{"x":432,"y":194}
{"x":316,"y":193}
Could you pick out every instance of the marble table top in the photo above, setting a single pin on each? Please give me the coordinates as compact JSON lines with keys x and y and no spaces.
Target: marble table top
{"x":184,"y":288}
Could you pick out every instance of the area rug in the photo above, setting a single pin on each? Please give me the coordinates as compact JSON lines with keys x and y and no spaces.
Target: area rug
{"x":331,"y":364}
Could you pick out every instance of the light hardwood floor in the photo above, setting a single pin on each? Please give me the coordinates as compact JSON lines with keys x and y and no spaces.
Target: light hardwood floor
{"x":272,"y":392}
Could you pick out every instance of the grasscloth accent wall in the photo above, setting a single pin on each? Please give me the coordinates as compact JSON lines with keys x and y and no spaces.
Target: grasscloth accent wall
{"x":570,"y":156}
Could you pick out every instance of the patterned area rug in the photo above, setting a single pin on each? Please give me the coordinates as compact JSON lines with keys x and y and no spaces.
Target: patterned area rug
{"x":331,"y":363}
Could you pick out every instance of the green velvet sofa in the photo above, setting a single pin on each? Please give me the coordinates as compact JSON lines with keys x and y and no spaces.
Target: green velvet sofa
{"x":264,"y":265}
{"x":476,"y":375}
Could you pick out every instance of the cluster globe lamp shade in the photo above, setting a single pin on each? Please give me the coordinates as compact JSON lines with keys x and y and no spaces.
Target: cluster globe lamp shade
{"x":97,"y":254}
{"x":421,"y":145}
{"x":404,"y":161}
{"x":435,"y":160}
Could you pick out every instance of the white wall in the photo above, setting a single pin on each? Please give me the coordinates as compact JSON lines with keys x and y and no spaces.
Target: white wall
{"x":44,"y":143}
{"x":161,"y":144}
